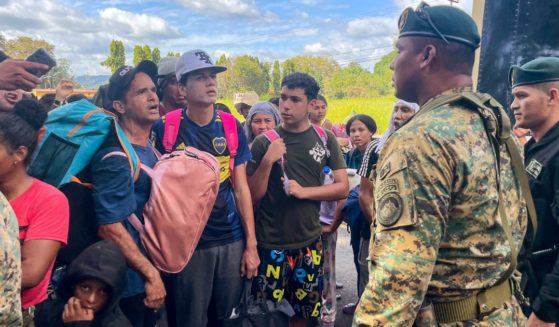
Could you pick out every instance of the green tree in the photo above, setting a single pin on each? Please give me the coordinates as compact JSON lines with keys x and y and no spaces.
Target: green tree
{"x":321,"y":68}
{"x":249,"y":74}
{"x":275,"y":79}
{"x":147,"y":53}
{"x":116,"y":56}
{"x":225,"y":79}
{"x":138,"y":54}
{"x":382,"y":75}
{"x":2,"y":42}
{"x":353,"y":81}
{"x":156,"y":55}
{"x":58,"y":72}
{"x":22,"y":46}
{"x":287,"y":68}
{"x":244,"y":73}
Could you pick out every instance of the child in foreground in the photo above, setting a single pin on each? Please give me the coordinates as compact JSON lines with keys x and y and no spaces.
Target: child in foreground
{"x":89,"y":292}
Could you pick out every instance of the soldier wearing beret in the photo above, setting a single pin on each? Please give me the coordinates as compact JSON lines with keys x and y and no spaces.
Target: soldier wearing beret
{"x":450,"y":213}
{"x":535,"y":87}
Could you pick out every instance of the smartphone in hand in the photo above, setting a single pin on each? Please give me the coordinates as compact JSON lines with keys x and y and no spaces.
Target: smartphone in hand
{"x":43,"y":57}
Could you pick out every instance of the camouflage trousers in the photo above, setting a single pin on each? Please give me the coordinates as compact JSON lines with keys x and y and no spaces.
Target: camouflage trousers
{"x":28,"y":316}
{"x":509,"y":315}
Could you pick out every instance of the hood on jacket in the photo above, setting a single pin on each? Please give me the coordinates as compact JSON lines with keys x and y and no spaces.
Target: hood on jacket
{"x":102,"y":260}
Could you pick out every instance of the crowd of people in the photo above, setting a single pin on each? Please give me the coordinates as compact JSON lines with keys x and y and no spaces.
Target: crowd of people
{"x":449,"y":225}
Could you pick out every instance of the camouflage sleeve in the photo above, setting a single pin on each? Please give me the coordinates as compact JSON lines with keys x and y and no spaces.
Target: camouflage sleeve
{"x":412,"y":194}
{"x":10,"y":270}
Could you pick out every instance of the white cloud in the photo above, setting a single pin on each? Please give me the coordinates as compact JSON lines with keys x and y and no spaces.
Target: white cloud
{"x":304,"y":31}
{"x":302,"y":14}
{"x":364,"y":41}
{"x":316,"y":49}
{"x":371,"y":26}
{"x":84,"y":39}
{"x":309,"y":2}
{"x":136,"y":25}
{"x":245,"y":8}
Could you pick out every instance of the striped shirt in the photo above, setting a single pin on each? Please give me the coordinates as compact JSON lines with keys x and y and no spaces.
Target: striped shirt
{"x":370,"y":158}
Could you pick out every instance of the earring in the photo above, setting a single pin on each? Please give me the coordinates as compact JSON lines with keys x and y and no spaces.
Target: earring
{"x":16,"y":162}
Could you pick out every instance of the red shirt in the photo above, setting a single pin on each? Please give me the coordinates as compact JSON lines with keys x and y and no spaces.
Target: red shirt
{"x":43,"y":214}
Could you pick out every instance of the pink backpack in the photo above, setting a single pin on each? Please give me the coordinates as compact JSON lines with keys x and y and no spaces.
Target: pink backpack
{"x":184,"y":186}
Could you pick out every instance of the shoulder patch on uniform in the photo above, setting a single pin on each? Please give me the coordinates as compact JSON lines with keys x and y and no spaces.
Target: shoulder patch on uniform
{"x":391,"y":208}
{"x":384,"y":170}
{"x":534,"y":168}
{"x":389,"y":185}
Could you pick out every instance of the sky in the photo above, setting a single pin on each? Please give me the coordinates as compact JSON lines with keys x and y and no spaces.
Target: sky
{"x":359,"y":31}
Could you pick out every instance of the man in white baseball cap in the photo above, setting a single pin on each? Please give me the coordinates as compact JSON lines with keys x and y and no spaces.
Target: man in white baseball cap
{"x":227,"y":249}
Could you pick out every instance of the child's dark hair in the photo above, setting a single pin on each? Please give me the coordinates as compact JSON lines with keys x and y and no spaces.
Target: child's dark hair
{"x":21,"y":126}
{"x":322,"y":98}
{"x":365,"y":119}
{"x":275,"y":101}
{"x":223,"y":107}
{"x":302,"y":81}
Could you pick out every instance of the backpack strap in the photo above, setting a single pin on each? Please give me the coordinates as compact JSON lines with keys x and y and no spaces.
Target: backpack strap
{"x":498,"y":128}
{"x":171,"y":129}
{"x":323,"y":137}
{"x":231,"y":137}
{"x":132,"y":219}
{"x":133,"y":159}
{"x":504,"y":129}
{"x":136,"y":223}
{"x":146,"y":169}
{"x":271,"y":135}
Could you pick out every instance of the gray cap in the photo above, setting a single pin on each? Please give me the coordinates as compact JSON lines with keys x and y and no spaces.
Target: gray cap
{"x":194,"y":60}
{"x":166,"y":66}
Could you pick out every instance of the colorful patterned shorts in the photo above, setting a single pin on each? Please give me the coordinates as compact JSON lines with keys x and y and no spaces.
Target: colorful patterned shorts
{"x":295,"y":275}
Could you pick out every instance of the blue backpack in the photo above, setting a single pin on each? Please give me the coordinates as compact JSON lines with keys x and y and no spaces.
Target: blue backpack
{"x":72,"y":135}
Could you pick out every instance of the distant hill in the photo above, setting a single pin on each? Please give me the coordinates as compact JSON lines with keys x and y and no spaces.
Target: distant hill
{"x":92,"y":81}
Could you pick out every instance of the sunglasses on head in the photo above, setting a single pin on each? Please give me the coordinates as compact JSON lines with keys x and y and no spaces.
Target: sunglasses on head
{"x":424,"y":15}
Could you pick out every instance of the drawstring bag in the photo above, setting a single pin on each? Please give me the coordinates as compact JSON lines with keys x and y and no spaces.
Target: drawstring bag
{"x":252,"y":312}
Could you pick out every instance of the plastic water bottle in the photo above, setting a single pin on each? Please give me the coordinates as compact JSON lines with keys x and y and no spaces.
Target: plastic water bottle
{"x":328,"y":176}
{"x":327,"y":211}
{"x":327,"y":208}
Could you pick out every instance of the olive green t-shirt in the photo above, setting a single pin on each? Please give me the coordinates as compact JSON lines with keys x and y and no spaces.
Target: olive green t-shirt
{"x":285,"y":222}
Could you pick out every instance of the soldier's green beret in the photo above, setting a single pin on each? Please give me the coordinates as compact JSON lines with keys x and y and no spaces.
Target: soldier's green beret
{"x":541,"y":70}
{"x":443,"y":22}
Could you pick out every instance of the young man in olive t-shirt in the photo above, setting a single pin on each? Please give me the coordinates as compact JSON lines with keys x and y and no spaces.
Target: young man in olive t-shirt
{"x":287,"y":218}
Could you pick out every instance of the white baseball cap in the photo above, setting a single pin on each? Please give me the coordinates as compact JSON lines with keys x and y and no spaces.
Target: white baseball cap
{"x":194,"y":60}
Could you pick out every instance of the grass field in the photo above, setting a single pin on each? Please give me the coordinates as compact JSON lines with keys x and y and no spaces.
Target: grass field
{"x":340,"y":109}
{"x":378,"y":108}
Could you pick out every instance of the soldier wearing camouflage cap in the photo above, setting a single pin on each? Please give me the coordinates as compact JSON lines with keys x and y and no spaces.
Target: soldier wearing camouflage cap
{"x":450,"y":214}
{"x":535,"y":87}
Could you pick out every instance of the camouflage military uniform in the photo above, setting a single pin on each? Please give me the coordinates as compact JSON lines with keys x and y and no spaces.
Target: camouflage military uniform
{"x":437,"y":229}
{"x":10,"y":273}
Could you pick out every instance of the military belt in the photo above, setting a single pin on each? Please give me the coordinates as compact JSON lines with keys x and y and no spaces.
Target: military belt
{"x":474,"y":307}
